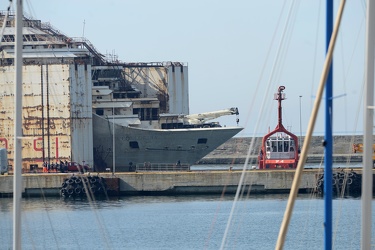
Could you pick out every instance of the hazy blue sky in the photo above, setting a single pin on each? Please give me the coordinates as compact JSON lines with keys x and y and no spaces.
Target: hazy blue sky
{"x":238,"y":51}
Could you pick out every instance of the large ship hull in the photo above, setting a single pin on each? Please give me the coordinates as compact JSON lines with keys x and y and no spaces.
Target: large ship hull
{"x":135,"y":146}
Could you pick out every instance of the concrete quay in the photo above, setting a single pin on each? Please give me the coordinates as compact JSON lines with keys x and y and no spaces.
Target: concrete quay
{"x":253,"y":159}
{"x":170,"y":183}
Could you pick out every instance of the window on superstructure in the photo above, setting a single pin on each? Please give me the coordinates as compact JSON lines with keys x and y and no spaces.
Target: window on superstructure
{"x":286,"y":146}
{"x":147,"y":114}
{"x":133,"y":95}
{"x":155,"y":114}
{"x":142,"y":114}
{"x":8,"y":38}
{"x":9,"y":61}
{"x":202,"y":141}
{"x":99,"y":111}
{"x":133,"y":144}
{"x":27,"y":23}
{"x":119,"y":95}
{"x":172,"y":125}
{"x":274,"y":146}
{"x":280,"y":146}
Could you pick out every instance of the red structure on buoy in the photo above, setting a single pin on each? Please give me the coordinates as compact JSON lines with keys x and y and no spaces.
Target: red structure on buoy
{"x":279,"y":148}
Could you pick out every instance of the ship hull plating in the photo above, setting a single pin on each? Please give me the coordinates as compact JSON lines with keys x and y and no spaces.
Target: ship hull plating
{"x":165,"y":146}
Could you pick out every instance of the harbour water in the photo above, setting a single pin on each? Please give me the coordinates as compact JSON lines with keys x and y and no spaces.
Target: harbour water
{"x":180,"y":222}
{"x":183,"y":222}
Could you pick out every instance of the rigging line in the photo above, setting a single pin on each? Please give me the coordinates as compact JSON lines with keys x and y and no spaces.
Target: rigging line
{"x":264,"y":64}
{"x":315,"y":51}
{"x":93,"y":206}
{"x":289,"y":27}
{"x":4,"y":22}
{"x":100,"y":220}
{"x":360,"y":95}
{"x":30,"y":8}
{"x":281,"y":42}
{"x":357,"y":113}
{"x":252,"y":141}
{"x":239,"y":220}
{"x":214,"y":220}
{"x":349,"y":150}
{"x":280,"y":53}
{"x":276,"y":61}
{"x":91,"y":202}
{"x":298,"y":174}
{"x":340,"y":207}
{"x":238,"y":190}
{"x":356,"y":119}
{"x":287,"y":36}
{"x":47,"y":210}
{"x":346,"y":72}
{"x":306,"y":222}
{"x":277,"y":57}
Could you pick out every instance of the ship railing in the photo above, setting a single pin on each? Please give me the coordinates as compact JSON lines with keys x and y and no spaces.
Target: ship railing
{"x":280,"y":155}
{"x":88,"y":45}
{"x":143,"y":167}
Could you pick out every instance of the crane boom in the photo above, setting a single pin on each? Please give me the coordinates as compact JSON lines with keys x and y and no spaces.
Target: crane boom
{"x":204,"y":117}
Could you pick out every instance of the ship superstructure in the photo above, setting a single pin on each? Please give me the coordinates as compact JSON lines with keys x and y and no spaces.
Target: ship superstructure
{"x":78,"y":106}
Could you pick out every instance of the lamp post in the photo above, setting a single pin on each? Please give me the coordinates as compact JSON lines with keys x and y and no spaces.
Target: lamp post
{"x":300,"y":122}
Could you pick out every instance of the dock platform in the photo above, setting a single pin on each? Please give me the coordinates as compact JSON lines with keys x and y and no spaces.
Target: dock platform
{"x":171,"y":182}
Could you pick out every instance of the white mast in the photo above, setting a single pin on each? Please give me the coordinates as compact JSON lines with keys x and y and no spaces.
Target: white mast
{"x":367,"y":172}
{"x":17,"y":166}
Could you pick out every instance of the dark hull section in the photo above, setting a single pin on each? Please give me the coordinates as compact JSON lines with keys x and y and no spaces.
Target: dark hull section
{"x":165,"y":146}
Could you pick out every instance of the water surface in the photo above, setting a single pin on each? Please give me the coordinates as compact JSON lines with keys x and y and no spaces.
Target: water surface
{"x":178,"y":222}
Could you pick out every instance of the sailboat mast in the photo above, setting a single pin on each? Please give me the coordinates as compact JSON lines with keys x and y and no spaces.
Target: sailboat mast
{"x":328,"y":145}
{"x":17,"y":166}
{"x":366,"y":231}
{"x":310,"y":128}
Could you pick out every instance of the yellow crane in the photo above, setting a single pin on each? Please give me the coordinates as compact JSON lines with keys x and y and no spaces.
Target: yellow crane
{"x":358,"y":148}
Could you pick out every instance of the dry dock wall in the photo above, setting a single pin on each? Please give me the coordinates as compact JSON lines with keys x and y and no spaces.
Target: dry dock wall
{"x":195,"y":182}
{"x":235,"y":150}
{"x":214,"y":182}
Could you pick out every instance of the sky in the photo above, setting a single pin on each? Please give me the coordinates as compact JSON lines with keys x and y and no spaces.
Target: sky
{"x":238,"y":52}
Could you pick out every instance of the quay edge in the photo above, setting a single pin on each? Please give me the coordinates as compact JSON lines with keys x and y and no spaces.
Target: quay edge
{"x":171,"y":183}
{"x":313,"y":158}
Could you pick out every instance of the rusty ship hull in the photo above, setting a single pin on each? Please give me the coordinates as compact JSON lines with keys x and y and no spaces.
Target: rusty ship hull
{"x":76,"y":100}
